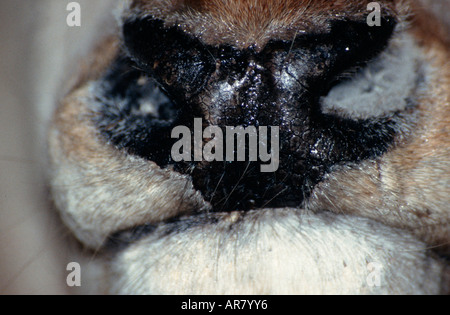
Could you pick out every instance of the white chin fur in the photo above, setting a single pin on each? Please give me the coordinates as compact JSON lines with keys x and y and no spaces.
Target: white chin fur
{"x":276,"y":251}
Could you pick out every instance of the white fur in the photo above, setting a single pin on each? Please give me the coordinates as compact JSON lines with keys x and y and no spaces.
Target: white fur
{"x":277,"y":251}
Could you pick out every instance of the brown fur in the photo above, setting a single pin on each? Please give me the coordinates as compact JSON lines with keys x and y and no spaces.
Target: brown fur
{"x":245,"y":23}
{"x":429,"y":29}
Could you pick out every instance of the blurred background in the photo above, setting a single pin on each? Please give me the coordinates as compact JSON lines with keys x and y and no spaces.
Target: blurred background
{"x":38,"y":52}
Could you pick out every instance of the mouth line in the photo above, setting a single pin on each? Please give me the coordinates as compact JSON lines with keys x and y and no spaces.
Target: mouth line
{"x":121,"y":240}
{"x":211,"y":214}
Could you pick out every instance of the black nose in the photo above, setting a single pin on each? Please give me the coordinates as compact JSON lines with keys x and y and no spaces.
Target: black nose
{"x":278,"y":87}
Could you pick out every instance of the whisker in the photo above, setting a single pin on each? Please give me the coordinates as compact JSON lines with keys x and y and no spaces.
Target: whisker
{"x":291,"y":48}
{"x":273,"y":198}
{"x":235,"y":186}
{"x":217,"y":186}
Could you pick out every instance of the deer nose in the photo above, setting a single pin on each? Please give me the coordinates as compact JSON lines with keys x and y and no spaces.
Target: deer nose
{"x":279,"y":85}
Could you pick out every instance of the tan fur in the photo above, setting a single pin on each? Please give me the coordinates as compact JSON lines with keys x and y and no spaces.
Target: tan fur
{"x":391,"y":210}
{"x":103,"y":190}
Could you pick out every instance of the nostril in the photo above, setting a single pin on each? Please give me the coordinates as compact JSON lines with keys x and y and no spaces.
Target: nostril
{"x":177,"y":61}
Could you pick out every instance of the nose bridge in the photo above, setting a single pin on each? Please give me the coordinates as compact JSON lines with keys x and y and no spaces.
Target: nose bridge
{"x":249,"y":82}
{"x":271,"y":87}
{"x":246,"y":94}
{"x":254,"y":80}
